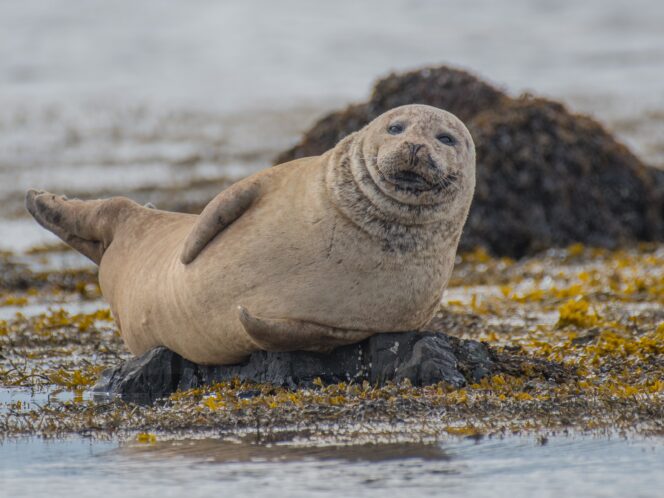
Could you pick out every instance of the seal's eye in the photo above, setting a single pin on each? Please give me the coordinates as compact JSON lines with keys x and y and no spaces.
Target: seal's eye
{"x":395,"y":129}
{"x":446,"y":139}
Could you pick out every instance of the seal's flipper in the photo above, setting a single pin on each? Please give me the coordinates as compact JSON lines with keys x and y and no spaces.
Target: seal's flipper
{"x":217,"y":215}
{"x":293,"y":335}
{"x":87,"y":226}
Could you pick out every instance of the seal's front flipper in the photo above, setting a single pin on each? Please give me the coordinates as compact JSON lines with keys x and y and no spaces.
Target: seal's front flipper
{"x":217,"y":215}
{"x":293,"y":335}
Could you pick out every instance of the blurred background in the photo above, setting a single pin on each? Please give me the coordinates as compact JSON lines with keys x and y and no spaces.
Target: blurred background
{"x":168,"y":101}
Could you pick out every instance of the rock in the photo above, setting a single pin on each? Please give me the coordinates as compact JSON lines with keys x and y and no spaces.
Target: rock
{"x":423,"y":358}
{"x":545,"y":177}
{"x":550,"y":178}
{"x":152,"y":375}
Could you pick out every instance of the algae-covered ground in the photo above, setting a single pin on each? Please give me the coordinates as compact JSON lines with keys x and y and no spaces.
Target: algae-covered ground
{"x":598,"y":315}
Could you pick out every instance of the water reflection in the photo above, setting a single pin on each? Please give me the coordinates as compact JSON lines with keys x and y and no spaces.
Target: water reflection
{"x":514,"y":466}
{"x":218,"y":451}
{"x":458,"y":467}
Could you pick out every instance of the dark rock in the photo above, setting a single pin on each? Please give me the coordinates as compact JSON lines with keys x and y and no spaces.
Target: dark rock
{"x":550,"y":178}
{"x":248,"y":394}
{"x":545,"y":177}
{"x":150,"y":376}
{"x":423,"y":358}
{"x":473,"y":362}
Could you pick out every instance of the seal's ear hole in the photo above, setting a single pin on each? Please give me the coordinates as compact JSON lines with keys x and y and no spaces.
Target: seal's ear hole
{"x":395,"y":129}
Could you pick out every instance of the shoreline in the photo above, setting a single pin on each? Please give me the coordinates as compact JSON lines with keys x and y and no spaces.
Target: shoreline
{"x":556,"y":306}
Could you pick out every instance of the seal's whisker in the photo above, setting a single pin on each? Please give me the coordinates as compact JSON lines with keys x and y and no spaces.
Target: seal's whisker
{"x":449,"y":181}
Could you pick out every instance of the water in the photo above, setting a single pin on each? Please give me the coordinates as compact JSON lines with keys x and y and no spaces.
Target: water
{"x":520,"y":467}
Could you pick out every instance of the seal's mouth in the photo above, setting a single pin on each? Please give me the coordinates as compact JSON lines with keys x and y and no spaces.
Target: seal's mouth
{"x":410,"y":180}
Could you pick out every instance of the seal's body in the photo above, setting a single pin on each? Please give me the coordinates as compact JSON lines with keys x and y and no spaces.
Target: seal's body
{"x":311,"y":254}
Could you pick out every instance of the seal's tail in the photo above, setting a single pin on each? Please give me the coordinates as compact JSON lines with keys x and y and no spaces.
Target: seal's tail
{"x":87,"y":226}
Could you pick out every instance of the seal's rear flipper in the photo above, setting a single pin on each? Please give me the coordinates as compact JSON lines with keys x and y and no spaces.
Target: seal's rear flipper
{"x":87,"y":226}
{"x":293,"y":335}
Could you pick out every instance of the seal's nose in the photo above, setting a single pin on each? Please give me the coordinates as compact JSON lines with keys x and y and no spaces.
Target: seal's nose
{"x":414,"y":149}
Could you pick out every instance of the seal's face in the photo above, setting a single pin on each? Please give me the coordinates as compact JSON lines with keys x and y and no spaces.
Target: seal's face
{"x":418,"y":154}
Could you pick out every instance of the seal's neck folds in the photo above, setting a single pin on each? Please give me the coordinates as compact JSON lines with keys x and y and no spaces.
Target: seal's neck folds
{"x":400,"y":226}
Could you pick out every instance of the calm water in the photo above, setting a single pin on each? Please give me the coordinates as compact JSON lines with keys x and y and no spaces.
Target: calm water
{"x":518,"y":467}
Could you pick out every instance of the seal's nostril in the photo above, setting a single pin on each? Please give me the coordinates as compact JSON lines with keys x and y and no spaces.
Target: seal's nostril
{"x":414,"y":149}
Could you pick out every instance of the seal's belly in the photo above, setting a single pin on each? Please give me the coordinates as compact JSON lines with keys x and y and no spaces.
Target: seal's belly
{"x":320,"y":268}
{"x":303,"y":264}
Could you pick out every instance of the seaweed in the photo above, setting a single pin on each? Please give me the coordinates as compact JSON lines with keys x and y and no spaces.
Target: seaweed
{"x":577,"y":336}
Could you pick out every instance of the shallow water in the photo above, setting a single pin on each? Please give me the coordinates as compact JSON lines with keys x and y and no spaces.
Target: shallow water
{"x":520,"y":467}
{"x":34,"y":397}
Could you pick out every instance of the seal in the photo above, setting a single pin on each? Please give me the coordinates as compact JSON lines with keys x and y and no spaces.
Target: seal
{"x":307,"y":255}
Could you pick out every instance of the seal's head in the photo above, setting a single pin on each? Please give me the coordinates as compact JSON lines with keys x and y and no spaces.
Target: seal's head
{"x":420,"y":155}
{"x":409,"y":168}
